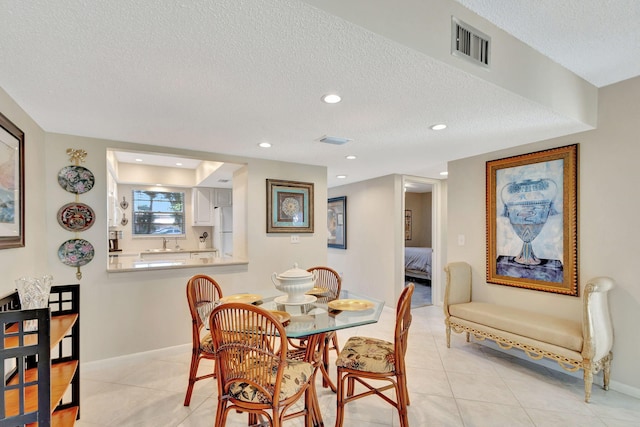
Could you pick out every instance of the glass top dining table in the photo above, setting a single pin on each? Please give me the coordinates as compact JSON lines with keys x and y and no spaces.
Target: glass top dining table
{"x":318,"y":315}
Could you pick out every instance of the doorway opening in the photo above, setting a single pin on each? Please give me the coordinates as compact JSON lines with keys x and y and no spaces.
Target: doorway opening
{"x":419,"y":238}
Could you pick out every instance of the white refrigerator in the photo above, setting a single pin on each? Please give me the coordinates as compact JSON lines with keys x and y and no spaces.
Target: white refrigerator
{"x":223,"y":230}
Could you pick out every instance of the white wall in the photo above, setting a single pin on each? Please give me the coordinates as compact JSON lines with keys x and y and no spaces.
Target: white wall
{"x":30,"y":260}
{"x":375,"y":236}
{"x":123,"y":313}
{"x":608,"y":229}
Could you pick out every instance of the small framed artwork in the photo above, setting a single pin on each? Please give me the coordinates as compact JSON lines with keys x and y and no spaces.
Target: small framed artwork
{"x":11,"y":185}
{"x":337,"y":222}
{"x":407,"y":224}
{"x":289,"y":206}
{"x":532,"y":232}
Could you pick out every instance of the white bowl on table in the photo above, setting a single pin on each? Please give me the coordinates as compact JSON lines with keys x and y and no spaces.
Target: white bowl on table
{"x":295,"y":283}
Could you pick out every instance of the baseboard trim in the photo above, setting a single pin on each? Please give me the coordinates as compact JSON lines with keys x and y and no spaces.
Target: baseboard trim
{"x":547,"y":363}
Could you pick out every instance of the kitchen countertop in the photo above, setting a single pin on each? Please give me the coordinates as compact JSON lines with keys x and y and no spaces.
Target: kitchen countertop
{"x":131,"y":261}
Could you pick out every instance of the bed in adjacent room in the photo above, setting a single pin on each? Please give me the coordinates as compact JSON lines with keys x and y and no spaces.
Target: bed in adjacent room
{"x":417,"y":262}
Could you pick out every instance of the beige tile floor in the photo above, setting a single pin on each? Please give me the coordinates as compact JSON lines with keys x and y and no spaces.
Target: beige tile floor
{"x":466,"y":385}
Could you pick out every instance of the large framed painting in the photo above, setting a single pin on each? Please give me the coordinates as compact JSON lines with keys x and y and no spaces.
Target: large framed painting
{"x":337,"y":222}
{"x":289,"y":206}
{"x":532,"y":231}
{"x":11,"y":185}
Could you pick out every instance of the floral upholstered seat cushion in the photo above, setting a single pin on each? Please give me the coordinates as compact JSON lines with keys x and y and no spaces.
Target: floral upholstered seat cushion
{"x":206,"y":344}
{"x":367,"y":354}
{"x":296,"y":375}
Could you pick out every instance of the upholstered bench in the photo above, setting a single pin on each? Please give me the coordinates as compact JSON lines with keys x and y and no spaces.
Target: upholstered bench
{"x":573,"y":345}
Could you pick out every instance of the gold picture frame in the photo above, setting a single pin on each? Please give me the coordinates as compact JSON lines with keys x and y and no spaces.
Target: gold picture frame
{"x":12,"y":203}
{"x":289,"y":206}
{"x":531,"y":203}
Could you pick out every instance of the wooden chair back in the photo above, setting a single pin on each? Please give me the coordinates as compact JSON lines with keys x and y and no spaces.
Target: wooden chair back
{"x":247,"y":340}
{"x":329,"y":279}
{"x":403,"y":322}
{"x":202,"y":293}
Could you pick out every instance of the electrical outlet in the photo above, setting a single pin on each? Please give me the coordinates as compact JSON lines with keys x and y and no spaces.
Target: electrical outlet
{"x":295,"y":238}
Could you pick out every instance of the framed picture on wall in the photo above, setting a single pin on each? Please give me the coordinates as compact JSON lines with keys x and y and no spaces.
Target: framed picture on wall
{"x":407,"y":224}
{"x":532,"y":221}
{"x":289,"y":206}
{"x":11,"y":185}
{"x":337,"y":222}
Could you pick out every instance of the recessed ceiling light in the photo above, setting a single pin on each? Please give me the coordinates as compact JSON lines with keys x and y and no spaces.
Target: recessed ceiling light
{"x":445,"y":173}
{"x":341,"y":176}
{"x":264,"y":145}
{"x":138,"y":160}
{"x":178,"y":164}
{"x":158,"y":185}
{"x":439,"y":127}
{"x":331,"y":98}
{"x":350,"y":157}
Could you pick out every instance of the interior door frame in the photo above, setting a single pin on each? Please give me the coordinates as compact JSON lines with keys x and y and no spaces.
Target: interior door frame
{"x":437,"y":233}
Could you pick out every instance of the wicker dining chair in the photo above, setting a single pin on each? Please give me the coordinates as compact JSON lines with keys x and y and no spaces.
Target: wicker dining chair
{"x":202,"y":293}
{"x":365,"y":358}
{"x":330,"y":280}
{"x":253,"y":374}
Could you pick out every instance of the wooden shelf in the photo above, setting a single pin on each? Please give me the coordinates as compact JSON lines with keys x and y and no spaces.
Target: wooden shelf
{"x":62,"y":418}
{"x":61,"y":375}
{"x":22,"y":351}
{"x":60,"y":326}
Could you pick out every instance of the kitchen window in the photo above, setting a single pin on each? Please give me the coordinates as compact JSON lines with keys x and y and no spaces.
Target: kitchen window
{"x":158,"y":213}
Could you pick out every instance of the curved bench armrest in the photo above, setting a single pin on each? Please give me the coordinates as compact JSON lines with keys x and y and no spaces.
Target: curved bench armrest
{"x":597,"y":329}
{"x":458,"y":288}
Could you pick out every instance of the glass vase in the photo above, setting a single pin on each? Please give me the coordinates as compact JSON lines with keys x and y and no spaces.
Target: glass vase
{"x":34,"y":293}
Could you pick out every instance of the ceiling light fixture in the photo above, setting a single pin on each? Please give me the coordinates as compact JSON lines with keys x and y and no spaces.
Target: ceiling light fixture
{"x":438,"y":127}
{"x":341,"y":176}
{"x":264,"y":145}
{"x":178,"y":164}
{"x":350,"y":157}
{"x":138,"y":160}
{"x":331,"y":98}
{"x":445,"y":173}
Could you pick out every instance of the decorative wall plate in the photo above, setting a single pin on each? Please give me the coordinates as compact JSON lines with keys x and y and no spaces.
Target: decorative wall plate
{"x":76,"y":217}
{"x":76,"y":252}
{"x":76,"y":179}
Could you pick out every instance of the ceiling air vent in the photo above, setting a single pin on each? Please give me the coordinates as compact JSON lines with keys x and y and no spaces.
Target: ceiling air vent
{"x":337,"y":140}
{"x":469,"y":43}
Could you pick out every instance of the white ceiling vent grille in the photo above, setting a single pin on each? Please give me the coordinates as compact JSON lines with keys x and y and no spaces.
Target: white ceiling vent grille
{"x":336,"y":140}
{"x":469,"y":43}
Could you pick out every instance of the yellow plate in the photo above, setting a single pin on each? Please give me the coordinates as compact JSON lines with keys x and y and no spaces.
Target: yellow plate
{"x":246,"y":298}
{"x":282,"y":316}
{"x":350,"y":304}
{"x":317,"y":291}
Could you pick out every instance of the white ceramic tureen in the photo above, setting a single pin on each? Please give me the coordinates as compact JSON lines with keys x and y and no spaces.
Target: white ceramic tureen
{"x":295,"y":282}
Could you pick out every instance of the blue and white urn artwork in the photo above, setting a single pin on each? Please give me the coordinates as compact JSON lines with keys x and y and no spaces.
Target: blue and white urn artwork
{"x":528,"y":204}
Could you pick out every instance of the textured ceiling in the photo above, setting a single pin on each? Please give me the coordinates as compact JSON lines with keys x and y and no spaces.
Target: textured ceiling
{"x":223,"y":76}
{"x":598,"y":40}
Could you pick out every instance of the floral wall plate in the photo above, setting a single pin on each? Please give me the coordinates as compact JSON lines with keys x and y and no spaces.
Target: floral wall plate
{"x":76,"y":252}
{"x":76,"y":217}
{"x":76,"y":179}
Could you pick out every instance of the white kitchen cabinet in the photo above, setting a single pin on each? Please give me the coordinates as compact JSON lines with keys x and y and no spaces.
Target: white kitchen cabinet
{"x":223,"y":197}
{"x":202,"y":255}
{"x":165,"y":256}
{"x":112,"y":201}
{"x":202,"y":198}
